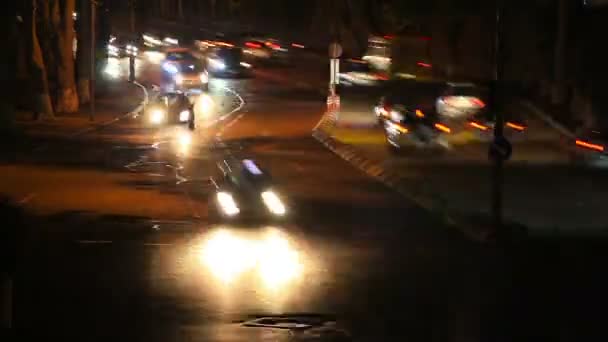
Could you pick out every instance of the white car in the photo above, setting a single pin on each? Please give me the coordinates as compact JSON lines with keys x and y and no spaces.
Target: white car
{"x":460,"y":101}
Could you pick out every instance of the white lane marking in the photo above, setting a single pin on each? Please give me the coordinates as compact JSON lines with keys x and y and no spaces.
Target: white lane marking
{"x":227,"y":115}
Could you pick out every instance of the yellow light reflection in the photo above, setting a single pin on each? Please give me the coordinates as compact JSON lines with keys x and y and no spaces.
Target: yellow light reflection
{"x":271,"y":257}
{"x":227,"y":256}
{"x":204,"y":105}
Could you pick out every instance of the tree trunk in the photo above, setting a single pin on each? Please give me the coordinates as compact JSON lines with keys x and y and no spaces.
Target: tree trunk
{"x":83,"y":57}
{"x":42,"y":108}
{"x":67,"y":97}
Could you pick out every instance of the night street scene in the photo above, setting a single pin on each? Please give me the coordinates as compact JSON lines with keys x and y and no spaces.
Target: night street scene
{"x":304,"y":170}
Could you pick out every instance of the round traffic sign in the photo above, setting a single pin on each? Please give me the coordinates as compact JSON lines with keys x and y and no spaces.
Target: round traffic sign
{"x":501,"y":149}
{"x":335,"y":50}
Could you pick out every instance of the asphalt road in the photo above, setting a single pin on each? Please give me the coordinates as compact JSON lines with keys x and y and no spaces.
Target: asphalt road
{"x":353,"y":261}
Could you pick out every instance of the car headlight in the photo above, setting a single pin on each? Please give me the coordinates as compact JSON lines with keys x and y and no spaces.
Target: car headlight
{"x":216,"y":64}
{"x":179,"y":79}
{"x":227,"y":204}
{"x":246,"y":65}
{"x":204,"y":77}
{"x":273,"y":203}
{"x":184,"y":115}
{"x":157,"y":116}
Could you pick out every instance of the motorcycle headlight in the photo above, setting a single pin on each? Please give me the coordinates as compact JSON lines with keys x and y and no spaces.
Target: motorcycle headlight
{"x":179,"y":79}
{"x":273,"y":203}
{"x":184,"y":115}
{"x":157,"y":116}
{"x":217,"y":64}
{"x":227,"y":204}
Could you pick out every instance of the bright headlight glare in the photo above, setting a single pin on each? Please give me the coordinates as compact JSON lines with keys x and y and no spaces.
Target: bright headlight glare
{"x":184,"y":115}
{"x":204,"y":77}
{"x":227,"y":204}
{"x":273,"y":203}
{"x":217,"y":64}
{"x":245,"y":64}
{"x":157,"y":116}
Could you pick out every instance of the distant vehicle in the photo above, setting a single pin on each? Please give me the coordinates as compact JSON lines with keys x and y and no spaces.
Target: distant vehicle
{"x":268,"y":50}
{"x":170,"y":108}
{"x":121,"y":48}
{"x":181,"y":70}
{"x":403,"y":56}
{"x":358,"y":72}
{"x":461,"y":101}
{"x":226,"y":61}
{"x":247,"y":191}
{"x":407,"y":116}
{"x":590,"y":148}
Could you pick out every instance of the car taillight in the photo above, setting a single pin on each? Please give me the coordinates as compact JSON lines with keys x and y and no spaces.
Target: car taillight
{"x":515,"y":126}
{"x":589,"y":145}
{"x":419,"y":113}
{"x":443,"y":128}
{"x":273,"y":45}
{"x":424,"y":65}
{"x":253,"y":45}
{"x":478,"y":102}
{"x":478,"y":125}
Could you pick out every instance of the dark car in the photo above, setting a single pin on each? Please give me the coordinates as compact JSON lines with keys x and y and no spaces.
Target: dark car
{"x":227,"y":61}
{"x":183,"y":71}
{"x":246,"y":191}
{"x":407,"y":115}
{"x":170,"y":108}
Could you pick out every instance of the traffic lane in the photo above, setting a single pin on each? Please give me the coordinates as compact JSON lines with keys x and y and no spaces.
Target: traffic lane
{"x":359,"y":223}
{"x":342,"y":256}
{"x":543,"y":190}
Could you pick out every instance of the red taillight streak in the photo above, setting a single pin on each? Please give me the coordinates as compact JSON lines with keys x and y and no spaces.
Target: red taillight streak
{"x":590,"y":145}
{"x":424,"y":65}
{"x":273,"y":45}
{"x":253,"y":45}
{"x":478,"y":102}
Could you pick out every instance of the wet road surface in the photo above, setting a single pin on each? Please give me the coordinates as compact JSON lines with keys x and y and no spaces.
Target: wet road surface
{"x":353,"y":258}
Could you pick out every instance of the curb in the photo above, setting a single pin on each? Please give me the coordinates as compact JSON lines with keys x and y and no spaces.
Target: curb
{"x":376,"y":170}
{"x":103,"y":124}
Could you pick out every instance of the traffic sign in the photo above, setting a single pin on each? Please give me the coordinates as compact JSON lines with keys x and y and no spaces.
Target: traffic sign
{"x":335,"y":50}
{"x":500,"y":149}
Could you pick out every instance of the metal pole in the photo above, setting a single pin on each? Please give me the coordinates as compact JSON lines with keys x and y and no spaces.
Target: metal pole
{"x":93,"y":59}
{"x":497,"y":174}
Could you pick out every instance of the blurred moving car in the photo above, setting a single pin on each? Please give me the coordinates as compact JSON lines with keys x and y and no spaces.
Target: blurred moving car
{"x":408,"y":117}
{"x":170,"y":108}
{"x":245,"y":190}
{"x":357,"y":72}
{"x":461,"y":101}
{"x":121,"y":48}
{"x":181,"y":70}
{"x":226,"y":61}
{"x":268,"y":50}
{"x":589,"y":148}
